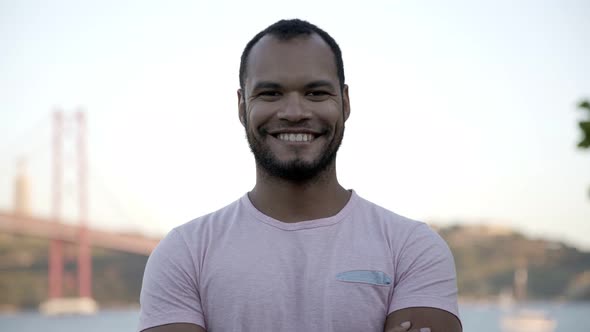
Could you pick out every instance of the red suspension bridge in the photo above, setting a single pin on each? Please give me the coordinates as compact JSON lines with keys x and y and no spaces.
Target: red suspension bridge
{"x":20,"y":221}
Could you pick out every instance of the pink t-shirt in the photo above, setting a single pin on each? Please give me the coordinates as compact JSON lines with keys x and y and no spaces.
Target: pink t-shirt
{"x":239,"y":270}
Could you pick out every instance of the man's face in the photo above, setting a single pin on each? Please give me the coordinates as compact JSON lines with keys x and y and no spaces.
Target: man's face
{"x":292,"y":107}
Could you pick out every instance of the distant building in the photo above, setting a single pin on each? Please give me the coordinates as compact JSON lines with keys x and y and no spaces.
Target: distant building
{"x":22,"y":191}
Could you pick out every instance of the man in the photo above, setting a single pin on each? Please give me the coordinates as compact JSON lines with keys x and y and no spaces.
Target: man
{"x":298,"y":252}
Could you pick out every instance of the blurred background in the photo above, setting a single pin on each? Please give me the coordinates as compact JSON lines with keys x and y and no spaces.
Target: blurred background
{"x":118,"y":122}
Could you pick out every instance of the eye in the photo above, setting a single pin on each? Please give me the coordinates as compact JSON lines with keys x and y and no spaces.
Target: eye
{"x":270,"y":93}
{"x":317,"y":95}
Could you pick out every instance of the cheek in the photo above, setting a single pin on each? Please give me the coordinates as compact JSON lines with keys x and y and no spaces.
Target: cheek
{"x":334,"y":117}
{"x":259,"y":114}
{"x":330,"y":110}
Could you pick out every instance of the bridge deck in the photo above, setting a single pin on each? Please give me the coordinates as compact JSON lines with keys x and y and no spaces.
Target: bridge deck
{"x":47,"y":228}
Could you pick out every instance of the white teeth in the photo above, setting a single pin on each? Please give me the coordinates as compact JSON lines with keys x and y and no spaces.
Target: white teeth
{"x":289,"y":137}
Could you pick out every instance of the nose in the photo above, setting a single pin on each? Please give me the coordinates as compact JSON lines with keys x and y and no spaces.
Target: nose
{"x":293,"y":108}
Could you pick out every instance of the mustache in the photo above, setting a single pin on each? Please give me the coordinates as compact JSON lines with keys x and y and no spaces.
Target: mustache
{"x":293,"y":126}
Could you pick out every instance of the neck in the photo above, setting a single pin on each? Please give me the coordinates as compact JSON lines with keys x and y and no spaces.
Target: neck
{"x":287,"y":201}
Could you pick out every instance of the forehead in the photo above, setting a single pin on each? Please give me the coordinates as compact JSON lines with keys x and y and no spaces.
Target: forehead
{"x":294,"y":61}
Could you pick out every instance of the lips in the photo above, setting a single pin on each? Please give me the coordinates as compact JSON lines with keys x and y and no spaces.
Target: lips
{"x":295,"y":137}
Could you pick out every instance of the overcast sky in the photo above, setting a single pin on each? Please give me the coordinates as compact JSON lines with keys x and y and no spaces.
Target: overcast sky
{"x":461,"y":112}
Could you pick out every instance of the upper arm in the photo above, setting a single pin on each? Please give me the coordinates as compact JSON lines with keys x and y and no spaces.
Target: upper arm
{"x":436,"y":319}
{"x":170,"y":291}
{"x":425,"y":281}
{"x":176,"y":327}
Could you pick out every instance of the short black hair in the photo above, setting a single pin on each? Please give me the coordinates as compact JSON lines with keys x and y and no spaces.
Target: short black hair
{"x":289,"y":29}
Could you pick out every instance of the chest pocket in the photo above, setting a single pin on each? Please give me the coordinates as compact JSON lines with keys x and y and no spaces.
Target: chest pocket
{"x":360,"y":289}
{"x":377,"y":278}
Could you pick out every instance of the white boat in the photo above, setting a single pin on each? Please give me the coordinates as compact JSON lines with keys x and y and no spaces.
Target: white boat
{"x":69,"y":306}
{"x":527,"y":320}
{"x":523,"y":319}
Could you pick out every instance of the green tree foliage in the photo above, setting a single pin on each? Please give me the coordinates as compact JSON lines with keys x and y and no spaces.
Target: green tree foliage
{"x":116,"y":276}
{"x":585,"y":126}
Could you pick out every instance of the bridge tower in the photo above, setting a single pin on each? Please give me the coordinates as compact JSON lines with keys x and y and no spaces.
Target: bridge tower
{"x":57,"y":304}
{"x":56,"y":244}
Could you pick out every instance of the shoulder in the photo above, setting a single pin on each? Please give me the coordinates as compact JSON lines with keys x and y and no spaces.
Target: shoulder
{"x":223,"y":214}
{"x":185,"y":241}
{"x":384,"y":214}
{"x":395,"y":225}
{"x":207,"y":225}
{"x":408,"y":239}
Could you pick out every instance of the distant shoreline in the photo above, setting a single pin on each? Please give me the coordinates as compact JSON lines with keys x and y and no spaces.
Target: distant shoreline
{"x":11,"y":309}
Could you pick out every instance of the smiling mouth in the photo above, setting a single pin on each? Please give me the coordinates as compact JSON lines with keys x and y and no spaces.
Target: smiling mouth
{"x":295,"y":137}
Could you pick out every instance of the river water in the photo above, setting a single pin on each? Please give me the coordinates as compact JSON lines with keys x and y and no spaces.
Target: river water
{"x":571,"y":317}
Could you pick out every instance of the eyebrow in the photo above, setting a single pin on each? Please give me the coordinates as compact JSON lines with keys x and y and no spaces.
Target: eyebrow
{"x":319,"y":84}
{"x":266,"y":85}
{"x":276,"y":86}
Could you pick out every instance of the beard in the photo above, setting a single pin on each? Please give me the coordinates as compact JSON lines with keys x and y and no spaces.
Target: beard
{"x":296,"y":170}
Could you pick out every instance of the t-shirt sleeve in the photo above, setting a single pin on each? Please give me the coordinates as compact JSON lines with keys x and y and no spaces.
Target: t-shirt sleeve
{"x":170,"y":292}
{"x":425,"y":273}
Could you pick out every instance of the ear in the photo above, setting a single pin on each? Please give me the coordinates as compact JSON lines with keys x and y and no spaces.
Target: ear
{"x":345,"y":102}
{"x":242,"y":107}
